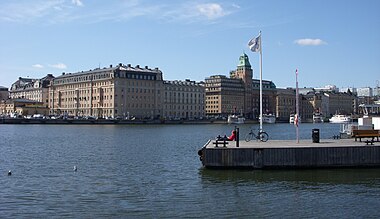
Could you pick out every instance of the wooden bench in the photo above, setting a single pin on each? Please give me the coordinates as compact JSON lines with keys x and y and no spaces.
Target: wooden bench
{"x":217,"y":143}
{"x":366,"y":134}
{"x":221,"y":141}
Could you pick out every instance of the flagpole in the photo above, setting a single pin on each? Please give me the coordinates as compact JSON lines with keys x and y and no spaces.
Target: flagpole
{"x":296,"y":119}
{"x":255,"y":46}
{"x":261,"y":84}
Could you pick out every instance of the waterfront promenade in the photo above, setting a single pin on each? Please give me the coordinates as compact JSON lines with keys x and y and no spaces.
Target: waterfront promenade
{"x":110,"y":121}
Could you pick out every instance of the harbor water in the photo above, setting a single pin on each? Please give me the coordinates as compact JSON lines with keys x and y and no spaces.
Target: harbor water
{"x":153,"y":171}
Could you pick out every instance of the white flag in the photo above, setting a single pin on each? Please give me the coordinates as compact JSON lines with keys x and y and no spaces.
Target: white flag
{"x":255,"y":44}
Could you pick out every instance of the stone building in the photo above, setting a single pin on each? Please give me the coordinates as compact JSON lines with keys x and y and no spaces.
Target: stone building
{"x":285,"y":104}
{"x":239,"y":94}
{"x":269,"y":97}
{"x":365,"y":92}
{"x":122,"y":91}
{"x":32,"y":89}
{"x":4,"y":94}
{"x":183,"y":100}
{"x":330,"y":103}
{"x":22,"y":107}
{"x":339,"y":103}
{"x":244,"y":72}
{"x":306,"y":109}
{"x":224,"y":96}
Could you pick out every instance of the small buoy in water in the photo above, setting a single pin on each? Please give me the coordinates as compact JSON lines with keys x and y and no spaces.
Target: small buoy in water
{"x":75,"y":168}
{"x":9,"y":173}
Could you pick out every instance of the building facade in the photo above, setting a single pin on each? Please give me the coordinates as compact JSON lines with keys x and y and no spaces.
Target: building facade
{"x":269,"y":98}
{"x":340,"y":103}
{"x":22,"y":107}
{"x":285,"y":104}
{"x":365,"y":92}
{"x":244,"y":72}
{"x":239,"y":94}
{"x":4,"y":94}
{"x":330,"y":103}
{"x":183,"y":100}
{"x":32,"y":89}
{"x":224,"y":96}
{"x":118,"y":92}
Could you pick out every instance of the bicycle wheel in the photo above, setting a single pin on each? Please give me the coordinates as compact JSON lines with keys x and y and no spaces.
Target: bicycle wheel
{"x":248,"y":137}
{"x":263,"y":136}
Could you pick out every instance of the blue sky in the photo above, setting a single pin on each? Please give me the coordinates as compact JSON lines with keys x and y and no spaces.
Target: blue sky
{"x":330,"y":41}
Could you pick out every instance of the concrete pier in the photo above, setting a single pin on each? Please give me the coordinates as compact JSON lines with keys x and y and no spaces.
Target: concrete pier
{"x":289,"y":154}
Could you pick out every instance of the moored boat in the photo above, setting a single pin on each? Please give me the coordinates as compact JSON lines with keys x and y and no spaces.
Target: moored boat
{"x":234,"y":119}
{"x":291,"y":118}
{"x":269,"y":118}
{"x":339,"y":118}
{"x":317,"y":117}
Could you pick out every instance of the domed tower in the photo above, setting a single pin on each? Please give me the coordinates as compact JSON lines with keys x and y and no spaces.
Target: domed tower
{"x":244,"y":72}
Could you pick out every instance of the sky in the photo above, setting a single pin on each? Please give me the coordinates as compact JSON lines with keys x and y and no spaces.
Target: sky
{"x":330,"y":42}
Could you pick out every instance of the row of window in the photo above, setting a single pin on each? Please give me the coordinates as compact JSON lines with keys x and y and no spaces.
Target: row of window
{"x":183,"y":89}
{"x":286,"y":101}
{"x":183,"y":95}
{"x":83,"y":78}
{"x":191,"y":107}
{"x":87,"y":98}
{"x":182,"y":101}
{"x":211,"y":106}
{"x":174,"y":114}
{"x":136,"y":76}
{"x":212,"y":111}
{"x":138,"y":90}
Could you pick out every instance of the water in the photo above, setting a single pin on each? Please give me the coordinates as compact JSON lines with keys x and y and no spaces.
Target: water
{"x":153,"y":171}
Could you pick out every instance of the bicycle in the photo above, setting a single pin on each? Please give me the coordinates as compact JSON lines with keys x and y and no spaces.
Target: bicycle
{"x":261,"y":135}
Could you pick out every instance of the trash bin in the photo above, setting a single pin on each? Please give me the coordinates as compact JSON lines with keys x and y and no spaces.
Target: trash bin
{"x":315,"y":135}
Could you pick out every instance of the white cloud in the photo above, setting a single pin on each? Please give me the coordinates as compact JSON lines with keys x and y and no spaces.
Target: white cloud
{"x":211,"y":10}
{"x":64,"y":11}
{"x":310,"y":42}
{"x":77,"y":2}
{"x":236,"y":6}
{"x":59,"y":66}
{"x":25,"y":12}
{"x":191,"y":12}
{"x":38,"y":66}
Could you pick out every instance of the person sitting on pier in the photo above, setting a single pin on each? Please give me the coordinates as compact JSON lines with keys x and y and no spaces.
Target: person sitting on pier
{"x":232,"y":137}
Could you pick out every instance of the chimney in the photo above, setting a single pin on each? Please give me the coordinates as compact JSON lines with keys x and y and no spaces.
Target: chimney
{"x":110,"y":66}
{"x":137,"y":66}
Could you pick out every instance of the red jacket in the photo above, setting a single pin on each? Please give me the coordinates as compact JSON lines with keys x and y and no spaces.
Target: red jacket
{"x":232,"y":137}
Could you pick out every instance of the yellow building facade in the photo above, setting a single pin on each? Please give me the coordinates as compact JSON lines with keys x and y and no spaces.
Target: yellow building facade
{"x":118,"y":92}
{"x":183,"y":100}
